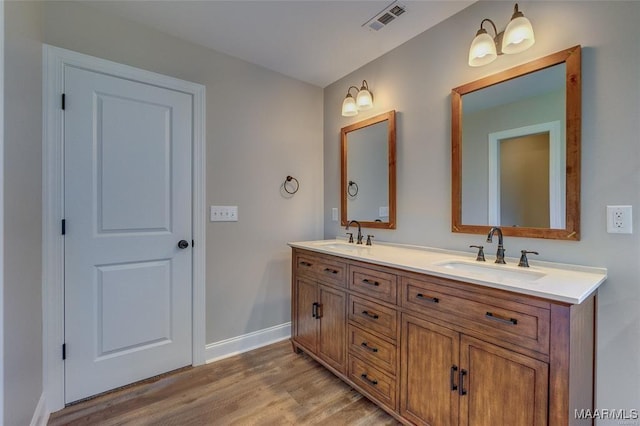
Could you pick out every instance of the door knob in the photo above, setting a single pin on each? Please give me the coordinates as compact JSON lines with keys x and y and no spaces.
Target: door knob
{"x":183,"y":244}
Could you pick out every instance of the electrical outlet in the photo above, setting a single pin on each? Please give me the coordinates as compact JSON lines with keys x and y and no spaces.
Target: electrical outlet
{"x":619,"y":220}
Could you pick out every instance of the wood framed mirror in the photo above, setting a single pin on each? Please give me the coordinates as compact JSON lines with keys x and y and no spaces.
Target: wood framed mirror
{"x":368,"y":172}
{"x":515,"y":142}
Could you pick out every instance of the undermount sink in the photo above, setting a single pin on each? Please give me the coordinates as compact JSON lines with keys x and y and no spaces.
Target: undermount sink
{"x":336,"y":245}
{"x":491,"y":270}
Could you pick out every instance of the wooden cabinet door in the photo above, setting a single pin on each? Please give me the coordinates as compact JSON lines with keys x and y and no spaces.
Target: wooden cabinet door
{"x":306,"y":327}
{"x":502,"y":387}
{"x":333,"y":327}
{"x":429,"y":369}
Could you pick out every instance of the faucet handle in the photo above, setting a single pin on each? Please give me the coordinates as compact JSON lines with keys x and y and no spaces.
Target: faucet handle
{"x":524,"y":262}
{"x":350,"y":234}
{"x":480,"y":257}
{"x":369,"y":237}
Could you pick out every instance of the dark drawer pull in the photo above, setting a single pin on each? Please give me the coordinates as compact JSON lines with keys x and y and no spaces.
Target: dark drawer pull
{"x":367,"y":347}
{"x":368,"y":281}
{"x":454,"y":369}
{"x":314,"y":310}
{"x":427,"y":298}
{"x":307,"y":264}
{"x":333,"y":271}
{"x":373,"y":382}
{"x":494,"y":317}
{"x":462,"y":390}
{"x":374,"y":316}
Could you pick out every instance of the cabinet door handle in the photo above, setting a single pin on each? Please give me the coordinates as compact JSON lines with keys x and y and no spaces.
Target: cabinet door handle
{"x":498,"y":318}
{"x":307,"y":264}
{"x":314,"y":310}
{"x":374,"y":316}
{"x":333,"y":271}
{"x":370,"y":282}
{"x":454,"y":369}
{"x":462,"y":390}
{"x":427,"y":298}
{"x":367,"y":347}
{"x":373,"y":382}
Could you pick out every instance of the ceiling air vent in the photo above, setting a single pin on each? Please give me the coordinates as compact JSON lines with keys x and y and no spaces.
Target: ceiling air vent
{"x":383,"y":18}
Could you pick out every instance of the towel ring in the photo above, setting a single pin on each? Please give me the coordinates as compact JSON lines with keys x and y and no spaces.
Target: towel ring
{"x":352,"y":192}
{"x":289,"y":179}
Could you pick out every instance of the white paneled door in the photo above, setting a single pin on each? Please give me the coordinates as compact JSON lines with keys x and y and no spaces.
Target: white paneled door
{"x":128,"y":236}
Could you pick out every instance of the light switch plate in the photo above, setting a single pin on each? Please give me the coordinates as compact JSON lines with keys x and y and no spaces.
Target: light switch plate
{"x":223,"y":214}
{"x":334,"y":214}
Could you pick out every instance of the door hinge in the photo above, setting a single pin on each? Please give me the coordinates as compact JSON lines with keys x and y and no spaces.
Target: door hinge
{"x":64,"y":226}
{"x":63,"y":101}
{"x":64,"y":351}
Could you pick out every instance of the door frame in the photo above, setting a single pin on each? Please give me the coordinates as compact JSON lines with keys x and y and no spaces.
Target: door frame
{"x":2,"y":100}
{"x":557,"y":166}
{"x":53,"y":63}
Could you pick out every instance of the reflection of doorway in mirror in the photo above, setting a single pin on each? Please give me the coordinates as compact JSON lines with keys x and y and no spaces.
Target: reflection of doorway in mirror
{"x":526,"y":179}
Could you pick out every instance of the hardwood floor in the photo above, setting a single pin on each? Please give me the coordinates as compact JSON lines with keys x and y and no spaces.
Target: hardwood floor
{"x":267,"y":386}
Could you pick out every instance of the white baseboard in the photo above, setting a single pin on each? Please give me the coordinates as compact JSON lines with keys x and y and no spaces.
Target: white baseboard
{"x":41,"y":415}
{"x":237,"y":345}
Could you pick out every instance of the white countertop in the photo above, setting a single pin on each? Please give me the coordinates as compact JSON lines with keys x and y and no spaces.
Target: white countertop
{"x":560,"y":282}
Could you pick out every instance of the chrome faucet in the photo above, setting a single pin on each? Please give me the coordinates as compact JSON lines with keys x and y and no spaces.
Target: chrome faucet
{"x":359,"y":238}
{"x":500,"y":251}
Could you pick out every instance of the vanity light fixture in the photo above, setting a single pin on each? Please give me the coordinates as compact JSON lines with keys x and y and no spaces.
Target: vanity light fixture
{"x":516,"y":38}
{"x":362,"y":101}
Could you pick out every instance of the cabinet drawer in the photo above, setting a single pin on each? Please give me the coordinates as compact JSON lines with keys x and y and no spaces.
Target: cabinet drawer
{"x":305,"y":264}
{"x":373,"y":381}
{"x":372,"y":349}
{"x":324,"y":270}
{"x":371,"y":315}
{"x":331,"y":271}
{"x":373,"y":283}
{"x":518,"y":323}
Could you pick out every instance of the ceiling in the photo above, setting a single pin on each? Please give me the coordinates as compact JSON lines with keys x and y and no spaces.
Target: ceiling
{"x":314,"y":41}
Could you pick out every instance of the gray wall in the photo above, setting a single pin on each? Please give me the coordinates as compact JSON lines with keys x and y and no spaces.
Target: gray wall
{"x":22,"y":213}
{"x":416,"y":79}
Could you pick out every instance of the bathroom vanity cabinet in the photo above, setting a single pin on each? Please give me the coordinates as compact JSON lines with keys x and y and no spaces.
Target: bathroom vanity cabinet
{"x":437,"y":351}
{"x":319,"y":308}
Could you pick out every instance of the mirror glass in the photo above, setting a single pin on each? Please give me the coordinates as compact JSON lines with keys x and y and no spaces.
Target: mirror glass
{"x":516,"y":140}
{"x":507,"y":150}
{"x":368,"y":172}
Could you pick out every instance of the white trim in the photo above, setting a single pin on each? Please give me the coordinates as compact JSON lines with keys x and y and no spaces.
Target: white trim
{"x":557,"y":178}
{"x":54,"y":61}
{"x":247,"y":342}
{"x":199,"y":223}
{"x":41,"y":415}
{"x":494,"y":180}
{"x":1,"y":211}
